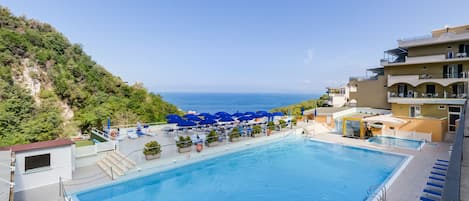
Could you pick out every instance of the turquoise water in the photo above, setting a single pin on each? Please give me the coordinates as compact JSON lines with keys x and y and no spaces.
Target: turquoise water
{"x":396,"y":142}
{"x":293,"y":169}
{"x":233,"y":102}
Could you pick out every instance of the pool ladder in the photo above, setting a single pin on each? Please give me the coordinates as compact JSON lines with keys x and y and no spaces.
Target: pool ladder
{"x":378,"y":194}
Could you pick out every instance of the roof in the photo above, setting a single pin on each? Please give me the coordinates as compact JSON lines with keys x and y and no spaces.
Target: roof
{"x":39,"y":145}
{"x":326,"y":110}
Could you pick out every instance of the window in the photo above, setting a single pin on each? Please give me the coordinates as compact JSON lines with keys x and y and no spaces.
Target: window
{"x":414,"y":111}
{"x":452,"y":71}
{"x":430,"y":89}
{"x":442,"y":107}
{"x":37,"y":161}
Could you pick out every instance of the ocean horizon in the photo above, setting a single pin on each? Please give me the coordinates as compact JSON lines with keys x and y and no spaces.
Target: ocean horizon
{"x":233,"y":102}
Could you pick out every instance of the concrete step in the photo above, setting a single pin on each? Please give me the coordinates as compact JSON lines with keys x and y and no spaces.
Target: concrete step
{"x":121,"y":161}
{"x":115,"y":167}
{"x":125,"y":158}
{"x":106,"y":169}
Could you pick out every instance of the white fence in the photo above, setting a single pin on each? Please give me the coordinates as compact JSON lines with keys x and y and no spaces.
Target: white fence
{"x":414,"y":135}
{"x":94,"y":149}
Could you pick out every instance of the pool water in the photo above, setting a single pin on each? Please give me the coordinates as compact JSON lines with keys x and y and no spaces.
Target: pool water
{"x":292,"y":169}
{"x":396,"y":142}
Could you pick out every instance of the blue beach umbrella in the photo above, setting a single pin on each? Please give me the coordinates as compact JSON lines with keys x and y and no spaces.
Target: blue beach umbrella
{"x":173,"y":116}
{"x":174,"y":121}
{"x":226,"y":119}
{"x":237,"y":114}
{"x":193,"y":118}
{"x":222,"y":114}
{"x":278,"y":114}
{"x":186,"y":123}
{"x":245,"y":118}
{"x":189,"y":115}
{"x":207,"y":121}
{"x":250,"y":113}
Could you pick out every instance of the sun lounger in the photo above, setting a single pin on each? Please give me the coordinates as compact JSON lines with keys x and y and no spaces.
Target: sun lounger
{"x":433,"y":191}
{"x":439,"y":168}
{"x":131,"y":134}
{"x":429,"y":197}
{"x":437,"y":178}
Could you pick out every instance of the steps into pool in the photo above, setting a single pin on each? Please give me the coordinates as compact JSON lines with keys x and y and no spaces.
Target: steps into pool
{"x":436,"y":181}
{"x":115,"y":165}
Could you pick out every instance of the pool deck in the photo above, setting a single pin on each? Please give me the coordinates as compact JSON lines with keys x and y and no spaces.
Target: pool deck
{"x":408,"y":184}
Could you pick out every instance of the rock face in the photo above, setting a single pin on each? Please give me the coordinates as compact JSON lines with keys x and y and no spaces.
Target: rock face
{"x":51,"y":88}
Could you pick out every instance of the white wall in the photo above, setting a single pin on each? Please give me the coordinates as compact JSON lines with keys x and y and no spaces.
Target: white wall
{"x":61,"y":165}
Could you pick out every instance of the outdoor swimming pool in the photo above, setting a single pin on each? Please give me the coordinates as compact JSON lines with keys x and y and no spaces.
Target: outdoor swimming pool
{"x":397,"y":142}
{"x":291,"y":169}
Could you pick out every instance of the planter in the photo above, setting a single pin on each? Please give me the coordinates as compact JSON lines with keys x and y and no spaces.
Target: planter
{"x":212,"y":144}
{"x":236,"y":139}
{"x":257,"y":135}
{"x":152,"y":156}
{"x":184,"y":149}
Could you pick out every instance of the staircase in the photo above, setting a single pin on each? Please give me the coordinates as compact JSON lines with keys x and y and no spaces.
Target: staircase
{"x":114,"y":164}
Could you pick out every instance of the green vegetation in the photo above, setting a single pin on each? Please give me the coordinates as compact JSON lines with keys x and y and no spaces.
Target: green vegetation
{"x":152,"y":148}
{"x":212,"y":136}
{"x":68,"y":77}
{"x":282,"y":123}
{"x":256,"y":129}
{"x":271,"y":125}
{"x":235,"y":133}
{"x":295,"y":109}
{"x":82,"y":143}
{"x":184,"y":142}
{"x":294,"y":121}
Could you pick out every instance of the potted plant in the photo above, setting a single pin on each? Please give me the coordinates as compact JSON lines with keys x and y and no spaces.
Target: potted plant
{"x":184,"y":144}
{"x":234,"y":135}
{"x":294,"y":121}
{"x":270,"y":127}
{"x":256,"y":131}
{"x":212,"y":138}
{"x":152,"y":150}
{"x":282,"y":123}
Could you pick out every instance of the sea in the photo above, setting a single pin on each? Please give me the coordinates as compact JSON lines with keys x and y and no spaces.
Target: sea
{"x":234,"y":102}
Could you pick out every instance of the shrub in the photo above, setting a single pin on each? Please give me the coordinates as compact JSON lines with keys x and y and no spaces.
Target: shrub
{"x":256,"y":129}
{"x":293,"y":121}
{"x":152,"y":148}
{"x":282,"y":123}
{"x":212,"y":136}
{"x":271,"y":125}
{"x":184,"y":142}
{"x":235,"y":133}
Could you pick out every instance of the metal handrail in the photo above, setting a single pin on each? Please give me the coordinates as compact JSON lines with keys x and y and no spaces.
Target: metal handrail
{"x":451,"y":191}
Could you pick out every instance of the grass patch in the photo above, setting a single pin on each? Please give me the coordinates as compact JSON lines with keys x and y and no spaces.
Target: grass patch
{"x":82,"y":143}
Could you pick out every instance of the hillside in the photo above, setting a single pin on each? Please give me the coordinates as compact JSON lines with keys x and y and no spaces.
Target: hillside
{"x":295,"y":109}
{"x":50,"y":88}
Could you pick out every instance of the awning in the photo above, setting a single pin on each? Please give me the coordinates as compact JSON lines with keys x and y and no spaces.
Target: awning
{"x":385,"y":119}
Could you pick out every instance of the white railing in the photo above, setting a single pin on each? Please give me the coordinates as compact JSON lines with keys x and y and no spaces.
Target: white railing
{"x":413,"y":135}
{"x":94,"y":149}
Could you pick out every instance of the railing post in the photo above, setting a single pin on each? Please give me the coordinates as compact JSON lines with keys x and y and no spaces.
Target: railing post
{"x":60,"y":186}
{"x":112,"y":174}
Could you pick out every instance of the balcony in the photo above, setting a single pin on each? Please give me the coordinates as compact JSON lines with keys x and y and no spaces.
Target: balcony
{"x":423,"y":98}
{"x":416,"y":80}
{"x":429,"y":40}
{"x":425,"y":59}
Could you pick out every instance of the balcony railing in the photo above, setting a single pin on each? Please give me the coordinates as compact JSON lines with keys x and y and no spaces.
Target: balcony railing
{"x":427,"y":95}
{"x":426,"y":59}
{"x":451,"y":191}
{"x":416,"y":80}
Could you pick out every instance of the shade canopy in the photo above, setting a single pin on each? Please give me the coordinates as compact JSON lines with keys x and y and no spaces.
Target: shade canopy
{"x":237,"y":114}
{"x":194,"y":118}
{"x":385,"y":119}
{"x":222,"y":114}
{"x":174,"y":121}
{"x":250,"y":113}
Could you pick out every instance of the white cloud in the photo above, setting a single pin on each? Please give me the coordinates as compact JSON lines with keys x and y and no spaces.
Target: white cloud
{"x":309,"y":56}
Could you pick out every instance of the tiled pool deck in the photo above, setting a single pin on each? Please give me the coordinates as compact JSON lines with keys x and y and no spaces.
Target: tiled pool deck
{"x":407,"y":186}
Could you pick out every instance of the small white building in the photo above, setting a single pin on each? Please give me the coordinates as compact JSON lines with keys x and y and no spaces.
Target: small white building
{"x":42,"y":163}
{"x":338,"y":97}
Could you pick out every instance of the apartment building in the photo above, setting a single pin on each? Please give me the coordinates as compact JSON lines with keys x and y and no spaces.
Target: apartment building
{"x":338,"y":96}
{"x":370,"y":90}
{"x":427,"y":79}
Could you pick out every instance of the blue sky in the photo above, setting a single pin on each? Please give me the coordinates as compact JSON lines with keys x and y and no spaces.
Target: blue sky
{"x":241,"y":45}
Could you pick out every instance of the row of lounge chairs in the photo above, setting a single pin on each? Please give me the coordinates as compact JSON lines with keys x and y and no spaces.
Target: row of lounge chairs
{"x":436,"y":181}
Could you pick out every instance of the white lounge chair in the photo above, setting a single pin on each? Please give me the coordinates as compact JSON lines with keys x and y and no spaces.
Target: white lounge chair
{"x":132,"y":135}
